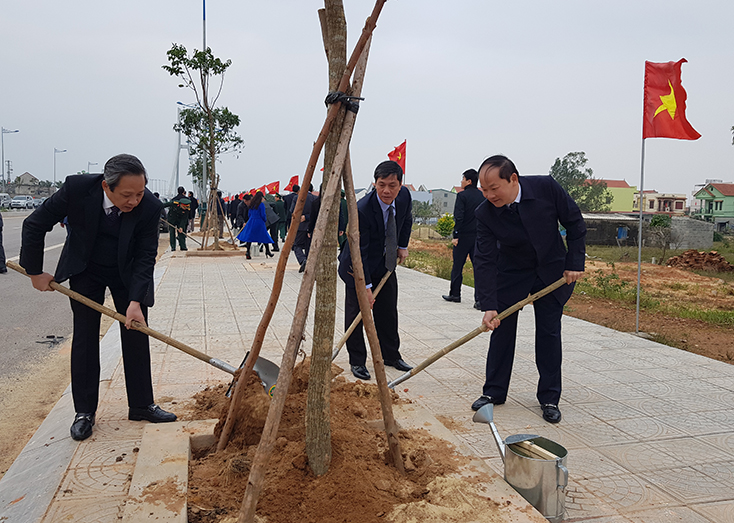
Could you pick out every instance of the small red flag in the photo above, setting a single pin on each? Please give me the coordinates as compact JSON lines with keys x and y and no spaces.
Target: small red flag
{"x":273,"y":187}
{"x":398,"y":155}
{"x":262,"y":189}
{"x":252,"y":192}
{"x":665,"y":103}
{"x":294,"y":181}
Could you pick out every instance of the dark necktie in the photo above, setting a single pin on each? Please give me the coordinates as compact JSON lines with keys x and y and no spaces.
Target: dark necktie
{"x":514,"y":208}
{"x":391,"y":241}
{"x":113,"y":217}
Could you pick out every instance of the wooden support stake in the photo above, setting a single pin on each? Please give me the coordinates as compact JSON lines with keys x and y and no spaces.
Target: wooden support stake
{"x":391,"y":427}
{"x":270,"y":430}
{"x":290,"y":237}
{"x":350,"y":330}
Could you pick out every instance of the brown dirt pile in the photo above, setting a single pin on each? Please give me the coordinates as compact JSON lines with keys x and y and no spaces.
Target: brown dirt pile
{"x":700,"y":261}
{"x":360,"y":485}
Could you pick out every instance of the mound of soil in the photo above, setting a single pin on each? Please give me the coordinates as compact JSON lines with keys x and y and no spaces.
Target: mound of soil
{"x":360,"y":485}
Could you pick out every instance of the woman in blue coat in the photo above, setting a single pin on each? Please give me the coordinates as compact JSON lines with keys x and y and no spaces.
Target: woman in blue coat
{"x":255,"y":230}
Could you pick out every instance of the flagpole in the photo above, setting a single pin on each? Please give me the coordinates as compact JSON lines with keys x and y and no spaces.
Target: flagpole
{"x":639,"y":238}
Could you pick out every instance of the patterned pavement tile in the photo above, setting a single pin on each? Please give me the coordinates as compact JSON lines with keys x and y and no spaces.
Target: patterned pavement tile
{"x":689,"y":485}
{"x":691,"y":451}
{"x":647,"y":428}
{"x":627,"y":493}
{"x":609,"y":410}
{"x":617,"y":391}
{"x":106,"y":509}
{"x":639,"y":457}
{"x":600,"y":434}
{"x":722,"y":512}
{"x":583,"y":505}
{"x":722,"y":471}
{"x":724,"y":442}
{"x":588,"y":463}
{"x":667,"y":515}
{"x":698,"y":424}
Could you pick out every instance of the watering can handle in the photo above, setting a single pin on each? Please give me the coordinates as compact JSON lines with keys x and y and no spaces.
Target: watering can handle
{"x":562,"y":470}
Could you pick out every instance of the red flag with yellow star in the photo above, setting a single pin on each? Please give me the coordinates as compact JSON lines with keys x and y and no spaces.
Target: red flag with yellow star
{"x":294,"y":181}
{"x":665,"y":103}
{"x":273,"y":187}
{"x":398,"y":155}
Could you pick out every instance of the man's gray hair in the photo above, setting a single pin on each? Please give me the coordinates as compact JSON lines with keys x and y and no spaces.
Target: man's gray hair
{"x":121,"y":165}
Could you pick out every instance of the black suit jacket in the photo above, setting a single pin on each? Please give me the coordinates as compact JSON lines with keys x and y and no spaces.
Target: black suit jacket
{"x":497,"y":262}
{"x":372,"y":235}
{"x":467,"y":201}
{"x":80,"y":199}
{"x":303,"y":226}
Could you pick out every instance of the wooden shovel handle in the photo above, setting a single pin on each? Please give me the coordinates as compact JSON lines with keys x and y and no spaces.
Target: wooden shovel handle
{"x":476,"y":332}
{"x":356,"y":321}
{"x":135,"y":324}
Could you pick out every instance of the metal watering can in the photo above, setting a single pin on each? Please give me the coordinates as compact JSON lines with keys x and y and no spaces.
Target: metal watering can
{"x":534,"y":466}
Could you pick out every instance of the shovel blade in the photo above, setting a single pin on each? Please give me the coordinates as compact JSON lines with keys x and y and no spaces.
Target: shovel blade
{"x":485,"y":414}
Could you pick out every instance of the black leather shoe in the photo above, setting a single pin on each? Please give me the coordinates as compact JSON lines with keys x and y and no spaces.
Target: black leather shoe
{"x":3,"y":270}
{"x":303,"y":266}
{"x":485,"y":400}
{"x":455,"y":299}
{"x":360,"y":372}
{"x":551,"y":414}
{"x":152,"y":413}
{"x":81,"y":429}
{"x":399,"y":364}
{"x":477,"y":306}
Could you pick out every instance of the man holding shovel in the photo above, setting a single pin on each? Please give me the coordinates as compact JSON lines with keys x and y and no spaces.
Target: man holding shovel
{"x":519,"y":251}
{"x":112,"y":242}
{"x":385,"y":221}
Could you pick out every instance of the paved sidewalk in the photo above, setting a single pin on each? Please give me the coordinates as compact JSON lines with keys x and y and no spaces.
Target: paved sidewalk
{"x":649,"y":428}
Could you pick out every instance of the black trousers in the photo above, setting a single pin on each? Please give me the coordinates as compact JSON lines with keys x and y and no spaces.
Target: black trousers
{"x":548,"y":312}
{"x":301,"y":245}
{"x":85,"y":366}
{"x":2,"y":249}
{"x":385,"y":313}
{"x":273,"y":231}
{"x":464,"y":247}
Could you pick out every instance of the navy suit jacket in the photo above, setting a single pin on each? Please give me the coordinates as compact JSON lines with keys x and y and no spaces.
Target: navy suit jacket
{"x":372,"y":235}
{"x":80,"y":199}
{"x":498,"y":264}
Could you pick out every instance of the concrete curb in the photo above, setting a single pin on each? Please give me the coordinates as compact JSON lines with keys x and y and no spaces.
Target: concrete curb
{"x":30,"y":484}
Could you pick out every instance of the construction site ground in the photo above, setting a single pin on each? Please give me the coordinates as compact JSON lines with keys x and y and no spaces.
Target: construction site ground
{"x":648,"y":427}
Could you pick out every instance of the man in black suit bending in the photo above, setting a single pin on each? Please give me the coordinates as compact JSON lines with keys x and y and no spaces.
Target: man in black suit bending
{"x":519,"y":251}
{"x":385,"y":220}
{"x":112,"y":242}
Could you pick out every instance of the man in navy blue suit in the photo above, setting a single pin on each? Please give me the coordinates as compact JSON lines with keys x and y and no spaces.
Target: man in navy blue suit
{"x":385,"y":221}
{"x":519,"y":251}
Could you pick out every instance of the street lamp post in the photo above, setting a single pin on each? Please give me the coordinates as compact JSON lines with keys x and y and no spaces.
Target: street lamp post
{"x":56,"y":151}
{"x":89,"y":166}
{"x":2,"y":146}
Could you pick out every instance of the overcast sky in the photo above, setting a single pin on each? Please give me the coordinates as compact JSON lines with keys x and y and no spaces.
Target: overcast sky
{"x":459,"y":80}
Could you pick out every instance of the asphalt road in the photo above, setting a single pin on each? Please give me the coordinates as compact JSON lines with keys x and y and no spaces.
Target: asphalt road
{"x":29,"y":317}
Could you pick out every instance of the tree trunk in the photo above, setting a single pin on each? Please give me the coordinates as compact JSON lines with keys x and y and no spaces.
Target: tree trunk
{"x":318,"y":421}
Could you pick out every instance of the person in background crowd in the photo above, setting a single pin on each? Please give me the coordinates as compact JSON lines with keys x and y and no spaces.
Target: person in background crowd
{"x":465,"y":232}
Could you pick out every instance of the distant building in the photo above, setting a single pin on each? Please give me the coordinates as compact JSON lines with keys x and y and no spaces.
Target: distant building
{"x":623,"y":194}
{"x":444,"y":200}
{"x":26,"y":183}
{"x":695,"y":203}
{"x":664,"y":203}
{"x":717,"y":204}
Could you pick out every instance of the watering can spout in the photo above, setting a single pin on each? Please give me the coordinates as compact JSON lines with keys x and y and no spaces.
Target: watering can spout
{"x":486,"y":415}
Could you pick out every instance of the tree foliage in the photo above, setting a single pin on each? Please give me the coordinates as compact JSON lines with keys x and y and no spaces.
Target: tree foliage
{"x":577,"y":179}
{"x":445,"y":225}
{"x":424,"y":210}
{"x":194,"y":125}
